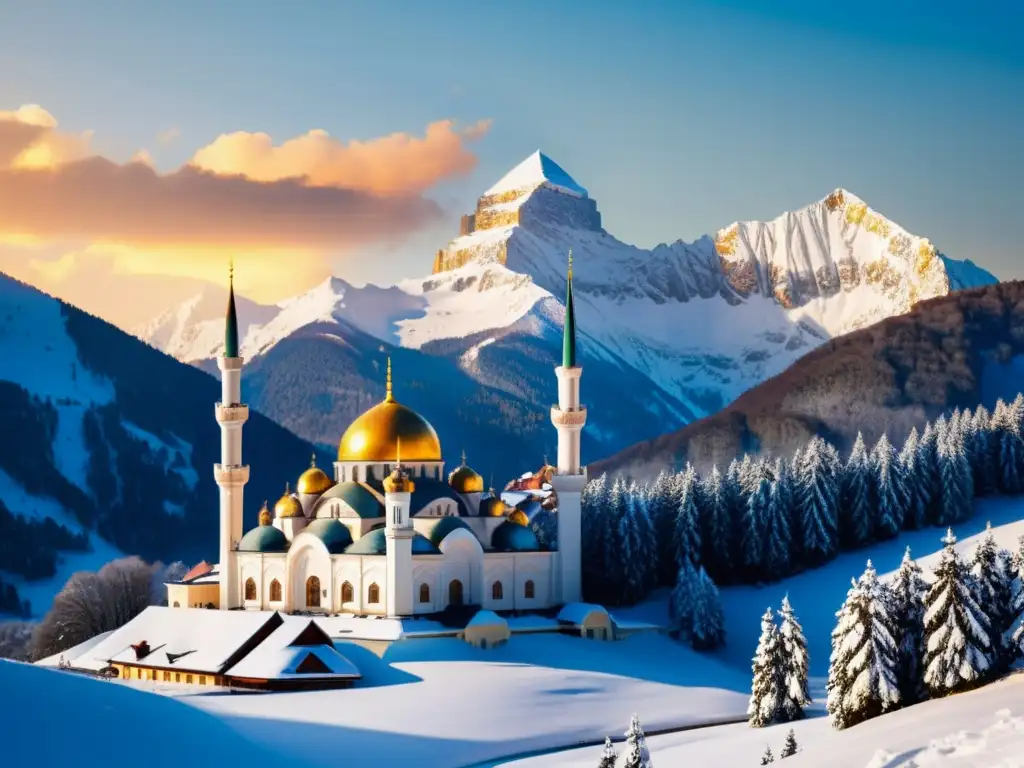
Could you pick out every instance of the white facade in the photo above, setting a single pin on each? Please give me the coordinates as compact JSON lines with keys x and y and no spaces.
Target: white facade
{"x":569,"y":418}
{"x":231,"y":475}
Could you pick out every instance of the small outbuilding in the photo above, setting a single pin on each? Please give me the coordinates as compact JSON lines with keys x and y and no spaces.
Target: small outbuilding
{"x":486,"y":630}
{"x":590,"y":621}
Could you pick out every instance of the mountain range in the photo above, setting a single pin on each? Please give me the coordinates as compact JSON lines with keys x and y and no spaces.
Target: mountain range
{"x":667,"y":336}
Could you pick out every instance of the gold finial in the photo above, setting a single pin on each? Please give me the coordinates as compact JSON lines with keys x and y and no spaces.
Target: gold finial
{"x":570,"y":263}
{"x":463,"y":457}
{"x":312,"y":462}
{"x":389,"y":397}
{"x":287,"y":489}
{"x":398,"y":451}
{"x":265,"y":518}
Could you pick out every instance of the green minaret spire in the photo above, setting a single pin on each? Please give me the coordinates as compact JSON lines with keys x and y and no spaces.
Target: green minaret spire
{"x":569,"y":334}
{"x":231,"y":323}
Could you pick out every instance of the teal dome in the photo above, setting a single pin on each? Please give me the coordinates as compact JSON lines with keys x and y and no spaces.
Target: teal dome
{"x":375,"y":543}
{"x":264,"y":538}
{"x":335,"y":536}
{"x":445,"y":526}
{"x":511,"y":537}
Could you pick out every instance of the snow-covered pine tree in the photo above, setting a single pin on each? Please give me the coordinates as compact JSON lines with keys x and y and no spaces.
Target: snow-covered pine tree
{"x":1011,"y":450}
{"x":614,"y":564}
{"x":908,"y":591}
{"x":752,"y":533}
{"x":648,"y":537}
{"x":777,"y":551}
{"x":918,"y":482}
{"x":862,"y":675}
{"x":817,"y":503}
{"x":856,"y":503}
{"x":718,"y":541}
{"x":994,"y":587}
{"x":928,"y":469}
{"x":608,"y":756}
{"x":662,"y":508}
{"x":767,"y":694}
{"x":956,"y":481}
{"x":636,"y":561}
{"x":767,"y":758}
{"x":708,"y":619}
{"x":890,"y":490}
{"x":958,"y":652}
{"x":593,"y":524}
{"x":687,"y":525}
{"x":790,"y":748}
{"x":796,"y":664}
{"x":984,"y":459}
{"x":1017,"y":574}
{"x":636,"y":754}
{"x":680,"y":603}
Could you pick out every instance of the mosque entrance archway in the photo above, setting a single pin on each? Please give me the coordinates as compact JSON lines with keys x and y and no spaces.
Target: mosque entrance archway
{"x":312,"y":592}
{"x":455,"y":596}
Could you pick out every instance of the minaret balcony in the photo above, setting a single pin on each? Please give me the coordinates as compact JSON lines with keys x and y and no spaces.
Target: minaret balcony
{"x":569,"y":417}
{"x":227,"y":414}
{"x":230,"y":475}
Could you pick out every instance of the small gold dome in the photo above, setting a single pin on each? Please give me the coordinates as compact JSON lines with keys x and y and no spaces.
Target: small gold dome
{"x":375,"y":435}
{"x":265,"y":518}
{"x":492,"y":506}
{"x":398,"y":482}
{"x":314,"y":480}
{"x":288,"y":505}
{"x":519,"y":518}
{"x":464,"y":480}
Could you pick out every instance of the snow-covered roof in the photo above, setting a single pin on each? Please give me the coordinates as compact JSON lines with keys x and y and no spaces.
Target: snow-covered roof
{"x":361,"y":628}
{"x":537,"y":169}
{"x":576,"y":613}
{"x":276,"y":658}
{"x":486,"y":618}
{"x":71,"y":655}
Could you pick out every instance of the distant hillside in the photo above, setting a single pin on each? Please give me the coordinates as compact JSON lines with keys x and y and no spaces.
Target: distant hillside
{"x":108,"y":448}
{"x":957,"y":350}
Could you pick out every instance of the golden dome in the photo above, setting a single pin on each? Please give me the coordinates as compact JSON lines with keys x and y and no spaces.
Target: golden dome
{"x":375,"y":435}
{"x":465,"y":480}
{"x":288,"y":505}
{"x":519,"y":518}
{"x":314,"y":480}
{"x":398,"y":482}
{"x":265,"y":515}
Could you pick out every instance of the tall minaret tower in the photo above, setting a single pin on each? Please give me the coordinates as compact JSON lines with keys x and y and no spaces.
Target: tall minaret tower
{"x":231,"y":475}
{"x":570,"y":477}
{"x":398,"y":533}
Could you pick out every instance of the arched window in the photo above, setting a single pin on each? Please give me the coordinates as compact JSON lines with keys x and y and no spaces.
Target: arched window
{"x":312,"y":592}
{"x":497,"y":591}
{"x":347,"y":593}
{"x":455,"y":592}
{"x":250,"y":588}
{"x":424,"y":593}
{"x":529,"y":591}
{"x":275,"y":591}
{"x":373,"y":594}
{"x":177,"y":604}
{"x":355,"y":474}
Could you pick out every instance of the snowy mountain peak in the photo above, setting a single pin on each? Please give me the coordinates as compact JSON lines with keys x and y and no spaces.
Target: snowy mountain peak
{"x":535,"y":170}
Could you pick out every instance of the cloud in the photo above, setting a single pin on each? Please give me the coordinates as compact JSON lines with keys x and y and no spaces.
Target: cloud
{"x":391,"y":165}
{"x":168,"y":136}
{"x":29,"y":140}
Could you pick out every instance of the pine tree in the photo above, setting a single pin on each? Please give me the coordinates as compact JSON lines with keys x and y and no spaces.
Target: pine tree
{"x":817,"y":503}
{"x":955,"y":478}
{"x":767,"y":757}
{"x":777,"y":549}
{"x":918,"y":482}
{"x":862,"y":675}
{"x":636,"y":754}
{"x":984,"y":458}
{"x":687,"y":525}
{"x":718,"y":543}
{"x":593,"y":533}
{"x":635,"y":561}
{"x":958,"y":652}
{"x":994,"y":593}
{"x":790,"y":748}
{"x":752,"y":533}
{"x":796,"y":664}
{"x":708,"y":619}
{"x":608,"y":756}
{"x":890,"y":490}
{"x":928,"y":470}
{"x":1011,"y":448}
{"x":648,"y":537}
{"x":908,"y":591}
{"x":856,"y":502}
{"x":767,"y":693}
{"x":1017,"y":579}
{"x":680,"y":604}
{"x":662,"y":508}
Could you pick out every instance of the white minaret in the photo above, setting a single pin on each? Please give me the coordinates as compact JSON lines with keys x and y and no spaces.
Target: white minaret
{"x":398,"y":533}
{"x":231,"y":475}
{"x":568,"y":481}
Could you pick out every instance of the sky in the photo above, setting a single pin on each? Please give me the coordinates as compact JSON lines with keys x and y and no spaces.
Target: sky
{"x":313,"y":138}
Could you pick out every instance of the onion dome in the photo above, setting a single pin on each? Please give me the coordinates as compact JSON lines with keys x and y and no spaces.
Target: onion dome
{"x":288,"y":505}
{"x":333,"y":533}
{"x":264,"y":518}
{"x":374,"y":436}
{"x":493,"y":506}
{"x":445,"y":526}
{"x":314,"y":480}
{"x":465,"y":480}
{"x":530,"y":507}
{"x":518,"y":517}
{"x":265,"y":537}
{"x":510,"y":537}
{"x":375,"y":543}
{"x":398,"y":482}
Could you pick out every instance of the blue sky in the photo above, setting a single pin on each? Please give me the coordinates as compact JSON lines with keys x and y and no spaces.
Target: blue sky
{"x":679,"y":117}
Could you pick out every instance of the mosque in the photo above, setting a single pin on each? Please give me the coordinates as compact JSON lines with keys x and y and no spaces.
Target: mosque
{"x":387,"y":534}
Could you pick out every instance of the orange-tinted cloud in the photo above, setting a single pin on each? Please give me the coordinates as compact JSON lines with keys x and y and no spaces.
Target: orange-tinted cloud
{"x":398,"y":164}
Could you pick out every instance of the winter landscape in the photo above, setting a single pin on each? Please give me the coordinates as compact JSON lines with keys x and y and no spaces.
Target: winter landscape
{"x":477,"y":386}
